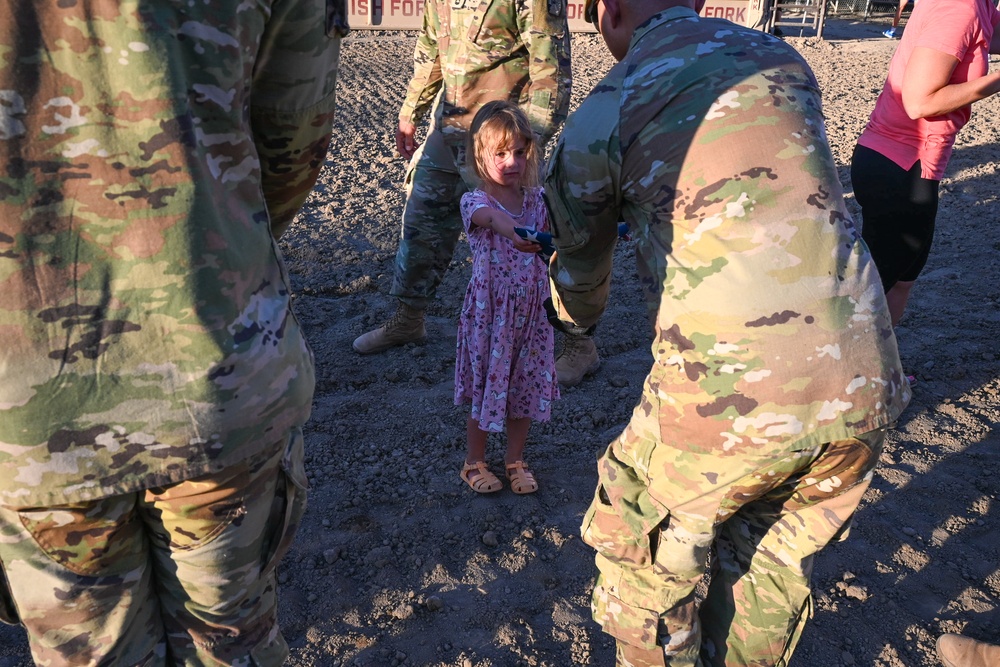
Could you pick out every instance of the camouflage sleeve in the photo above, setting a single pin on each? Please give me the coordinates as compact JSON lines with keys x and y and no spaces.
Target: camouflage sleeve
{"x":292,"y":102}
{"x":582,"y":193}
{"x":545,"y":32}
{"x":427,"y":78}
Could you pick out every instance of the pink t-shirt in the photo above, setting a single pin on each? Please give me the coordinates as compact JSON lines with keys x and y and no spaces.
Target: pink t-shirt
{"x":960,"y":28}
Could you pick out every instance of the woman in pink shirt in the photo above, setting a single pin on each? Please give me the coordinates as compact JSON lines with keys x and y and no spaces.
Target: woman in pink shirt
{"x":940,"y":68}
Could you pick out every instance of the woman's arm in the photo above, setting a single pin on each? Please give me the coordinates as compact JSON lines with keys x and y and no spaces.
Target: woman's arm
{"x":926,"y":91}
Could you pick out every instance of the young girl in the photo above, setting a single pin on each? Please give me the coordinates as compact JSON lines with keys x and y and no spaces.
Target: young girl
{"x":505,"y":366}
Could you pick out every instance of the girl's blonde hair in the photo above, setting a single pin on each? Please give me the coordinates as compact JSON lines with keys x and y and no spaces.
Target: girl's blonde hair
{"x":497,"y":125}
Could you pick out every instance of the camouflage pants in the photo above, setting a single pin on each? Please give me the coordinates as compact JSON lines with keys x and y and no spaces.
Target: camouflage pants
{"x":432,"y":223}
{"x":661,"y":515}
{"x":180,"y":575}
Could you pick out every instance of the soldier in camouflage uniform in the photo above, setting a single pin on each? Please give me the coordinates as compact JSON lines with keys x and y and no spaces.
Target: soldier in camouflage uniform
{"x":468,"y":54}
{"x":775,"y":370}
{"x":153,"y":379}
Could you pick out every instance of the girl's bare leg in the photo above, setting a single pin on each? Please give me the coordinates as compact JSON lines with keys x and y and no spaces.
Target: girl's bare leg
{"x":475,"y":449}
{"x":521,"y":478}
{"x":480,"y":478}
{"x":517,"y":435}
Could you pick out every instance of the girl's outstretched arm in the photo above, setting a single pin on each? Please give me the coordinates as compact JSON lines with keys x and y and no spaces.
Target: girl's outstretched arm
{"x":503,"y":224}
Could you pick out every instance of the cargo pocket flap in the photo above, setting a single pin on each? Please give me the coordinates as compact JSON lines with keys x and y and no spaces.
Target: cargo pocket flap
{"x":612,"y":537}
{"x":631,"y":625}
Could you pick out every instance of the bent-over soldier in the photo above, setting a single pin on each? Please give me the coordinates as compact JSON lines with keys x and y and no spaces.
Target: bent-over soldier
{"x":775,"y":372}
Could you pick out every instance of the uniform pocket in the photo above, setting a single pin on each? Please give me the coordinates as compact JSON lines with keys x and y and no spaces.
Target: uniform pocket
{"x":627,"y":622}
{"x":576,"y":231}
{"x":289,"y":502}
{"x":548,"y":17}
{"x":96,"y":537}
{"x":623,"y":555}
{"x":623,"y":518}
{"x":624,"y":525}
{"x":191,"y":514}
{"x":842,"y":465}
{"x":490,"y":30}
{"x":613,"y":537}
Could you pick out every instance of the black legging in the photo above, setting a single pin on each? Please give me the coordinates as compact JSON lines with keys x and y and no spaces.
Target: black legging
{"x":898,"y":208}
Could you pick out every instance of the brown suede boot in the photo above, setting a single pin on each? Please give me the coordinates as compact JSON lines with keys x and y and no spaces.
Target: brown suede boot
{"x":405,"y":326}
{"x":959,"y":651}
{"x":577,"y":360}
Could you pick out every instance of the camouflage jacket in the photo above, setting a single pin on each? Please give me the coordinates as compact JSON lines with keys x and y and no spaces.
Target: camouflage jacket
{"x":472,"y":53}
{"x":145,"y":148}
{"x":771,"y":329}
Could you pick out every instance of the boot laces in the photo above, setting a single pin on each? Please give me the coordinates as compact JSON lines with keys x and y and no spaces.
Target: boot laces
{"x":395,"y":321}
{"x":573,"y":348}
{"x":401,"y":320}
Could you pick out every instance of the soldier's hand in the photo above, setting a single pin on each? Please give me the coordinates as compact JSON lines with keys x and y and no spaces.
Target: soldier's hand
{"x":406,"y":142}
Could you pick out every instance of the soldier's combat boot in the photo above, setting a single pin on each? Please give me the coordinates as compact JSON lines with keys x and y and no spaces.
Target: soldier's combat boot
{"x":959,"y":651}
{"x":405,"y":326}
{"x":577,"y":360}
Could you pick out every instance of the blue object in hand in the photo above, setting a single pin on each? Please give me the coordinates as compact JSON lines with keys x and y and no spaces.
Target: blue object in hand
{"x":543,"y":239}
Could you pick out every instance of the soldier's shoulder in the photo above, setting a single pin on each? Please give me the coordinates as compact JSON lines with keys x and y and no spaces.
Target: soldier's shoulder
{"x":596,"y":118}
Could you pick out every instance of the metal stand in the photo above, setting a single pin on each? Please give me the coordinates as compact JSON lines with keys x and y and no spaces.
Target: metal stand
{"x":797,"y":15}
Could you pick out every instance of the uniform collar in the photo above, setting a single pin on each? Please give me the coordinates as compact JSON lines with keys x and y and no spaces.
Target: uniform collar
{"x":655,"y":21}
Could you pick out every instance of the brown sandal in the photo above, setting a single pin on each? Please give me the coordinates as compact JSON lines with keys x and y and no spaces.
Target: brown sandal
{"x":521,"y":478}
{"x":484,"y":482}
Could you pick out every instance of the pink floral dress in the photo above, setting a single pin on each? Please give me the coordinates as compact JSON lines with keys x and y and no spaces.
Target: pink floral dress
{"x":505,"y":364}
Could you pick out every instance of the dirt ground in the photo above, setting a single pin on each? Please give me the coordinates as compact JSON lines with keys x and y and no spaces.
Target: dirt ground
{"x":398,"y":563}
